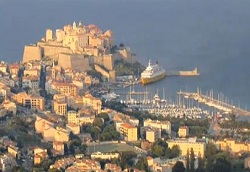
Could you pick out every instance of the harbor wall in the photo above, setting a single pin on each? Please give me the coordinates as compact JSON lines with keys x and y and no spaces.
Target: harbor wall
{"x":183,"y":73}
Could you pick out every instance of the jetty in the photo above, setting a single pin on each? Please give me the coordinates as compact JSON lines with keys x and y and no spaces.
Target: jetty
{"x":184,"y":73}
{"x":219,"y":103}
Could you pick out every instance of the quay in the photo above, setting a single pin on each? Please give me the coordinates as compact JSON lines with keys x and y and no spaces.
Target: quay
{"x":216,"y":103}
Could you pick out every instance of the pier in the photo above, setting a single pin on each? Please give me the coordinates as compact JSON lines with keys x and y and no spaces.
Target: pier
{"x":219,"y":104}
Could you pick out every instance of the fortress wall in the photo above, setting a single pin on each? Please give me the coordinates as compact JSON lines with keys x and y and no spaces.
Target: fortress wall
{"x":64,"y":60}
{"x":77,"y":62}
{"x":98,"y":60}
{"x":108,"y":61}
{"x":126,"y":55}
{"x":54,"y":51}
{"x":31,"y":53}
{"x":102,"y":71}
{"x":112,"y":76}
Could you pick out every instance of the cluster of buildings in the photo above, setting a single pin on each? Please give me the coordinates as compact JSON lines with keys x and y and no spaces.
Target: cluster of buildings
{"x":233,"y":146}
{"x":57,"y":65}
{"x":81,"y":48}
{"x":74,"y":164}
{"x":8,"y":160}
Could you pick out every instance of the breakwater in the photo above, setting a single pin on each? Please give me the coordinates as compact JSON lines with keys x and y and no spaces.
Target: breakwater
{"x":216,"y":103}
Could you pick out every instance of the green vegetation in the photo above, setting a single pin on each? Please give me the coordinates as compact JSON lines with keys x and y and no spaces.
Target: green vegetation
{"x":233,"y":124}
{"x":18,"y":169}
{"x":123,"y":68}
{"x":142,"y":164}
{"x":106,"y":133}
{"x":192,"y":159}
{"x":218,"y":161}
{"x":178,"y":167}
{"x":127,"y":159}
{"x":111,"y":147}
{"x":161,"y":149}
{"x":100,"y":131}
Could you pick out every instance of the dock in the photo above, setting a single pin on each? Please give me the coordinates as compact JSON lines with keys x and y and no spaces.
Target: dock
{"x":216,"y":103}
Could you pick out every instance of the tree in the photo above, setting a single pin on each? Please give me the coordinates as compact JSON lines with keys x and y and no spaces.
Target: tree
{"x":188,"y":162}
{"x":104,"y":116}
{"x":192,"y":159}
{"x":109,"y":133}
{"x":221,"y":163}
{"x":98,"y":122}
{"x":18,"y":169}
{"x":127,"y":159}
{"x":45,"y":164}
{"x":200,"y":165}
{"x":178,"y":167}
{"x":175,"y":151}
{"x":211,"y":150}
{"x":160,"y":149}
{"x":83,"y":148}
{"x":142,"y":164}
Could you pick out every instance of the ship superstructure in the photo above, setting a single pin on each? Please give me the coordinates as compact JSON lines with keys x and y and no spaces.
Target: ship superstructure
{"x":152,"y":73}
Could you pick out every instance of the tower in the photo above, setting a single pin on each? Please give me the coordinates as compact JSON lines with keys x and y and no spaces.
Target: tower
{"x":74,"y":25}
{"x":49,"y":35}
{"x":53,"y":71}
{"x":80,"y":23}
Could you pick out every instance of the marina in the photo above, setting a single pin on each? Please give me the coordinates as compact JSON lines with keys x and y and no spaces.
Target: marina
{"x":221,"y":103}
{"x":187,"y":104}
{"x":161,"y":105}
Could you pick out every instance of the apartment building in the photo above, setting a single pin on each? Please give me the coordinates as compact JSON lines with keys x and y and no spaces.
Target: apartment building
{"x":163,"y":125}
{"x":186,"y":144}
{"x":67,"y":89}
{"x":233,"y":146}
{"x":183,"y":131}
{"x":129,"y":132}
{"x":60,"y":107}
{"x":31,"y":101}
{"x":93,"y":102}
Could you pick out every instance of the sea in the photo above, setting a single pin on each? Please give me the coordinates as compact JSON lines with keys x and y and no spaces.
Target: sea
{"x":212,"y":35}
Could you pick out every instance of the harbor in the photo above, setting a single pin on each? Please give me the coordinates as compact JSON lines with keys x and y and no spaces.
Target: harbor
{"x":186,"y":104}
{"x":159,"y":104}
{"x":220,"y":103}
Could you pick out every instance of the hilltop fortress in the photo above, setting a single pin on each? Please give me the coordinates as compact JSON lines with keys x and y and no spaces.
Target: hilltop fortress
{"x":81,"y":48}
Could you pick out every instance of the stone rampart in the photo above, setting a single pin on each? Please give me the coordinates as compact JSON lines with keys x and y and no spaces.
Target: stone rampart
{"x":53,"y":51}
{"x":74,"y":61}
{"x":31,"y":52}
{"x":102,"y":71}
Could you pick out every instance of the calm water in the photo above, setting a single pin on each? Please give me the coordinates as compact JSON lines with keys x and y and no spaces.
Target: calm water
{"x":212,"y":35}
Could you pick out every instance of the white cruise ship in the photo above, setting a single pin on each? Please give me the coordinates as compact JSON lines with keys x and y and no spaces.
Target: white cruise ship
{"x":152,"y":73}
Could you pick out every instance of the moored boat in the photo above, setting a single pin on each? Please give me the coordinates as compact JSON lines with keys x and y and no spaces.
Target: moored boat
{"x":152,"y":73}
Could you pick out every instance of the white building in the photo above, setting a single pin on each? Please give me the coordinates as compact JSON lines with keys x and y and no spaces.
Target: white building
{"x":100,"y":155}
{"x":163,"y":125}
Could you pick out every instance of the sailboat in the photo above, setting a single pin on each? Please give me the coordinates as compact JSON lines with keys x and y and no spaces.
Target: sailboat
{"x":156,"y":98}
{"x":163,"y":100}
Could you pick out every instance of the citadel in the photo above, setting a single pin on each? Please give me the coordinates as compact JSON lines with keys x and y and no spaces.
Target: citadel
{"x":57,"y":113}
{"x":80,"y":48}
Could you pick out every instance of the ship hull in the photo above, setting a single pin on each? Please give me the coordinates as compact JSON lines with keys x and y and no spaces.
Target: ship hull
{"x":153,"y":79}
